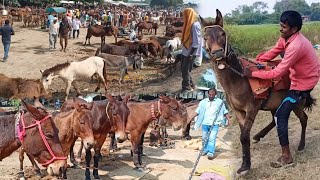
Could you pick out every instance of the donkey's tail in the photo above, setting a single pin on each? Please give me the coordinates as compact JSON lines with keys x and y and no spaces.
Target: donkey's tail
{"x":310,"y":102}
{"x":104,"y":71}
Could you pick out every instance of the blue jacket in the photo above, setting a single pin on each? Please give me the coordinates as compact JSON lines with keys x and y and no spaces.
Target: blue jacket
{"x":6,"y":31}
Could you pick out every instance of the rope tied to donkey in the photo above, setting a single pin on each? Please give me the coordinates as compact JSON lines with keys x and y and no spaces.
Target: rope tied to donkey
{"x":206,"y":141}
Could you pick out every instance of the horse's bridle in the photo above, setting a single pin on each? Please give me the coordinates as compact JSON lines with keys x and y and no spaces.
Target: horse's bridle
{"x":227,"y":52}
{"x":153,"y":114}
{"x":22,"y":133}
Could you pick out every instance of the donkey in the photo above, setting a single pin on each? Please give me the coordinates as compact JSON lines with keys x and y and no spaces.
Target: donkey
{"x":99,"y":31}
{"x":71,"y":125}
{"x":70,"y":72}
{"x":238,"y":91}
{"x":143,"y":113}
{"x":111,"y":116}
{"x":36,"y":133}
{"x":22,"y":88}
{"x":122,"y":63}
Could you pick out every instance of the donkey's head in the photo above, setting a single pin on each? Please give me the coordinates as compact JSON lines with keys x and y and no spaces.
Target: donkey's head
{"x":216,"y":40}
{"x":137,"y":62}
{"x":82,"y":124}
{"x":118,"y":112}
{"x":174,"y":112}
{"x":41,"y":139}
{"x":46,"y":80}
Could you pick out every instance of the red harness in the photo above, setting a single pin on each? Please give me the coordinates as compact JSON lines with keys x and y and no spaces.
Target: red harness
{"x":22,"y":133}
{"x":153,"y":115}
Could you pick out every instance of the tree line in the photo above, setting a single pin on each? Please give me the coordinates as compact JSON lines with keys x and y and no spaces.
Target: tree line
{"x":257,"y":12}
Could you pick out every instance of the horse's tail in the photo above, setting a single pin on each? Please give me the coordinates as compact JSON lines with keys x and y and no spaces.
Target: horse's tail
{"x":310,"y":102}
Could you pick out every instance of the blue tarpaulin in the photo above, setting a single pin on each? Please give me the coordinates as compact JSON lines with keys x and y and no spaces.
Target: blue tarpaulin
{"x":56,"y":10}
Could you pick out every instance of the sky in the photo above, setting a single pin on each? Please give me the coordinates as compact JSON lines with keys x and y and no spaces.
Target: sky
{"x":208,"y":7}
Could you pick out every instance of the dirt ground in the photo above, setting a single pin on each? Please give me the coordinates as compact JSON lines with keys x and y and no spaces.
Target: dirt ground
{"x":29,"y":53}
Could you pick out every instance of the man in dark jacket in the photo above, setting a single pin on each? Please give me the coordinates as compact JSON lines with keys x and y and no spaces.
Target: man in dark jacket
{"x":6,"y":31}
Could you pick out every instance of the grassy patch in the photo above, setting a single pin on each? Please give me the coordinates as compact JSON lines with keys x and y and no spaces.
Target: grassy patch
{"x":252,"y":39}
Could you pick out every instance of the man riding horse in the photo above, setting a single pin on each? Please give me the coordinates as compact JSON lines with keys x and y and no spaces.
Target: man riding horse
{"x":302,"y":62}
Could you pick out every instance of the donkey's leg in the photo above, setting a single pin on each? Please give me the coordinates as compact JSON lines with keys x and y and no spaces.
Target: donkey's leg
{"x":74,"y":84}
{"x":246,"y":120}
{"x":34,"y":165}
{"x":80,"y":151}
{"x":68,"y":86}
{"x":101,"y":78}
{"x":75,"y":164}
{"x":88,"y":159}
{"x":135,"y":146}
{"x":21,"y":158}
{"x":299,"y":112}
{"x":97,"y":155}
{"x":266,"y":130}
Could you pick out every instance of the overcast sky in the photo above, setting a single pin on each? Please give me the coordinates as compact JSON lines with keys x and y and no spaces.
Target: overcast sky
{"x":207,"y":7}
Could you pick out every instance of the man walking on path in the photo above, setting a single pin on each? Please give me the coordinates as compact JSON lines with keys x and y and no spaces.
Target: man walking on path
{"x":6,"y":31}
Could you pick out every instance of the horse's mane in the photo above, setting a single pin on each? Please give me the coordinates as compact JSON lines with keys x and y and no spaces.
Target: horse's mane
{"x":57,"y":67}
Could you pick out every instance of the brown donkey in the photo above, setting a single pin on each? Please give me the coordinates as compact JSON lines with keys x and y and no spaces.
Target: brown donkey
{"x":110,"y":116}
{"x":143,"y":113}
{"x":238,"y":92}
{"x":71,"y":125}
{"x":36,"y":133}
{"x":99,"y":31}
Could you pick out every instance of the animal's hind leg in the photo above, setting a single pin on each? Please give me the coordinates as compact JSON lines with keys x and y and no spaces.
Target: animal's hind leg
{"x":68,"y":86}
{"x":299,"y":112}
{"x":74,"y":84}
{"x":265,"y":130}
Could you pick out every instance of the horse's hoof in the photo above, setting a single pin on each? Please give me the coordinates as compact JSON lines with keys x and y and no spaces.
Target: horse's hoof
{"x":301,"y":148}
{"x":242,"y":171}
{"x":255,"y":140}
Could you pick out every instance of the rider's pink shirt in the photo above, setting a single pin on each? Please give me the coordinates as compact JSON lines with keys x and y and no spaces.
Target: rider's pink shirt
{"x":299,"y":58}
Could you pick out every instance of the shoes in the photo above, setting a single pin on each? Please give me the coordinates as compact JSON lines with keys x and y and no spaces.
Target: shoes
{"x":210,"y":156}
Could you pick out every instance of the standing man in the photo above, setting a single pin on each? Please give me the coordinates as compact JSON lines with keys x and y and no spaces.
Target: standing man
{"x":302,"y":62}
{"x":53,"y":33}
{"x":206,"y":112}
{"x":191,"y":41}
{"x":64,"y":30}
{"x":76,"y":27}
{"x":6,"y":32}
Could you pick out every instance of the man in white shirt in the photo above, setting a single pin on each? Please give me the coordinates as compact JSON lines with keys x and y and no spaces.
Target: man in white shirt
{"x":53,"y":33}
{"x":76,"y":23}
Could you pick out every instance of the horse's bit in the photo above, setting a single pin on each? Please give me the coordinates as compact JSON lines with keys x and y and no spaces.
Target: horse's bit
{"x":22,"y":133}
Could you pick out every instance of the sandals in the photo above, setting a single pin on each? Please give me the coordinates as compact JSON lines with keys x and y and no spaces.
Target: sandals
{"x":281,"y":163}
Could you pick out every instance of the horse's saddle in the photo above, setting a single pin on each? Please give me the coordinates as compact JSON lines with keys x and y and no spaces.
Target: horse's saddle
{"x":261,"y":88}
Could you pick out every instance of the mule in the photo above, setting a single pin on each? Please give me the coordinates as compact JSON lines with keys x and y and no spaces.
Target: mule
{"x":111,"y":116}
{"x":144,"y":25}
{"x":99,"y":31}
{"x":121,"y":63}
{"x":144,"y":113}
{"x":238,"y":91}
{"x":70,"y":72}
{"x":135,"y":47}
{"x":22,"y":88}
{"x":114,"y":49}
{"x":35,"y":132}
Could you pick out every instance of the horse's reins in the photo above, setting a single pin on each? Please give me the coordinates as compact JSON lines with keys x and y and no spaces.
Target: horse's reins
{"x":22,"y":133}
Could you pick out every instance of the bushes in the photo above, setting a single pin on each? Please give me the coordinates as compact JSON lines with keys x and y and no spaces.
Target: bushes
{"x":253,"y":39}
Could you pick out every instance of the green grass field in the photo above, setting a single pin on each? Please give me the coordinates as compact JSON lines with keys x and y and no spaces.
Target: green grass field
{"x":252,"y":39}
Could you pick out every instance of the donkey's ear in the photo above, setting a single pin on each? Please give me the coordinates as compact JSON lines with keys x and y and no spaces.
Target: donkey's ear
{"x":110,"y":98}
{"x":35,"y":113}
{"x":165,"y":99}
{"x":204,"y":22}
{"x":41,"y":71}
{"x":219,"y":18}
{"x":126,"y":98}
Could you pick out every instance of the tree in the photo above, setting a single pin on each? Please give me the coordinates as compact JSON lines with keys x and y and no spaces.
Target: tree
{"x":315,"y":12}
{"x":298,"y":5}
{"x":166,"y":3}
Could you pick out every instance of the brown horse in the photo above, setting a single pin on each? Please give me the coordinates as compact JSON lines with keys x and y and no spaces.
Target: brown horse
{"x":238,"y":91}
{"x":99,"y":31}
{"x":114,"y":50}
{"x":71,"y":125}
{"x":36,"y":133}
{"x":109,"y":116}
{"x":22,"y":88}
{"x":135,"y":47}
{"x":143,"y":113}
{"x":144,"y":25}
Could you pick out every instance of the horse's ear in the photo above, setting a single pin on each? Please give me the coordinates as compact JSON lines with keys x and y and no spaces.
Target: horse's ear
{"x":203,"y":22}
{"x":165,"y":99}
{"x":33,"y":111}
{"x":126,"y":98}
{"x":41,"y":71}
{"x":110,"y":98}
{"x":219,"y":18}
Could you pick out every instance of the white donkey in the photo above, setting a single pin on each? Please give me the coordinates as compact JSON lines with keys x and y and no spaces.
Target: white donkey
{"x":70,"y":72}
{"x":171,"y":46}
